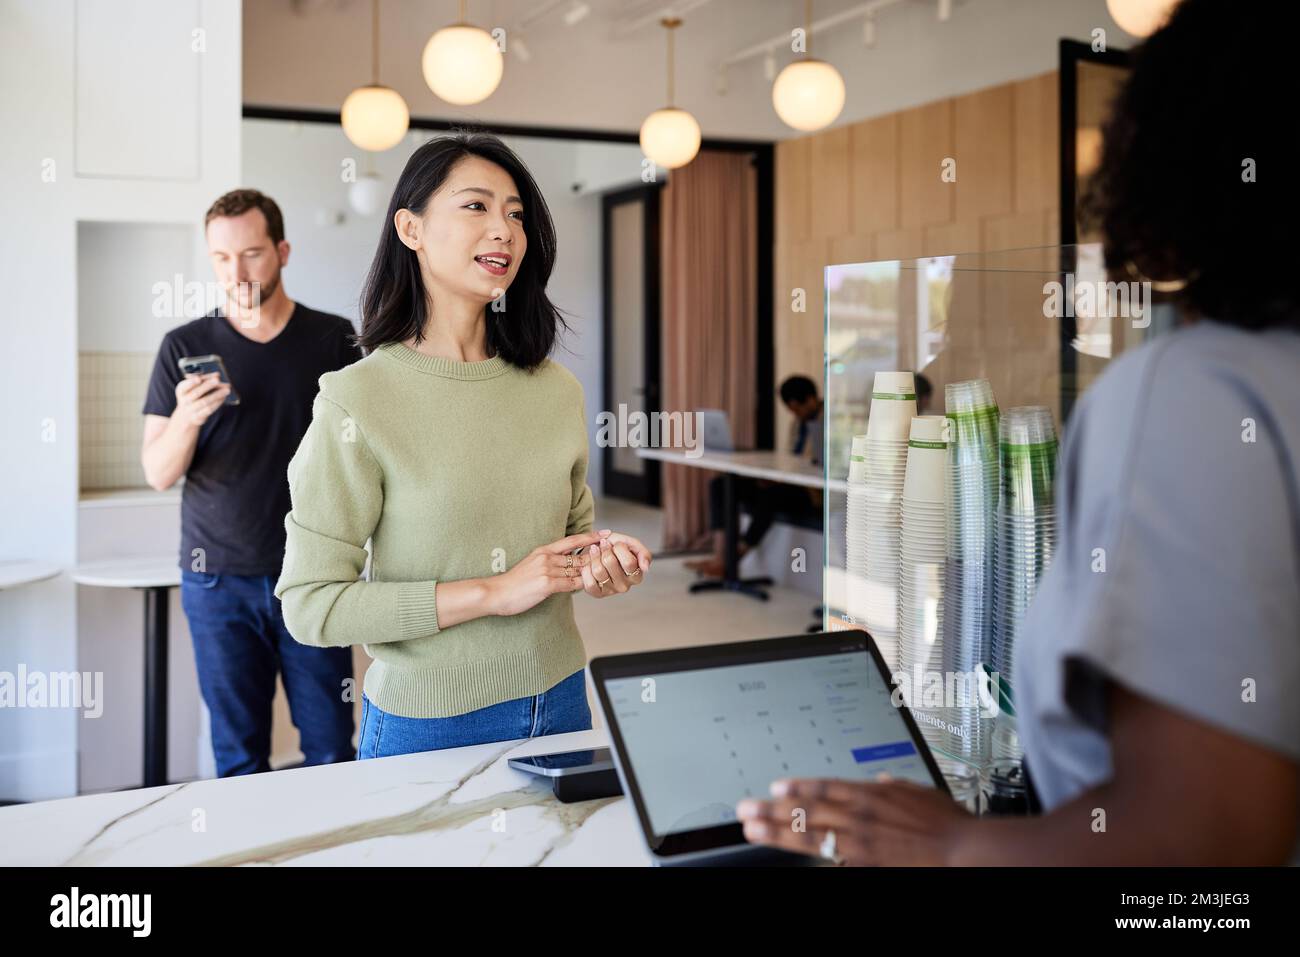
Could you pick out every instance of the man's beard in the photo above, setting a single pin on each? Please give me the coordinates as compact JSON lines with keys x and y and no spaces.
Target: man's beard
{"x":261,"y":292}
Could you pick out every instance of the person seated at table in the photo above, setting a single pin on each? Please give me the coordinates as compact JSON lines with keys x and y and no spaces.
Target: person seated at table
{"x":761,"y":499}
{"x":1156,"y":669}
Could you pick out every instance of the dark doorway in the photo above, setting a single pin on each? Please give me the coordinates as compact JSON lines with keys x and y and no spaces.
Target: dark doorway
{"x":630,"y":330}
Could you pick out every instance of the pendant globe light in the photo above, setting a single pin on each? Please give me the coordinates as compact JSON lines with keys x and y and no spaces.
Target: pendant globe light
{"x":375,"y":117}
{"x":462,"y":64}
{"x":1140,"y":18}
{"x":808,"y":94}
{"x":670,"y":137}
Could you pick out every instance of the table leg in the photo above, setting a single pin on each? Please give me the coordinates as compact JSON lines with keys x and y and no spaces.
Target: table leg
{"x":155,"y":685}
{"x":730,"y":529}
{"x":731,"y":580}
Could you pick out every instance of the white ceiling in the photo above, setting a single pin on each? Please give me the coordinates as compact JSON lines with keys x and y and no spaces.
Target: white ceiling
{"x":608,"y":70}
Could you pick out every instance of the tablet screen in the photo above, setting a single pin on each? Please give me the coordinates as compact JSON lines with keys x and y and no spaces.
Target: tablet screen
{"x":698,"y":741}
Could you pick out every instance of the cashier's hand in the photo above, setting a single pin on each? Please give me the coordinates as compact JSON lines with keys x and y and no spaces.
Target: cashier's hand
{"x":886,"y":822}
{"x":619,"y":562}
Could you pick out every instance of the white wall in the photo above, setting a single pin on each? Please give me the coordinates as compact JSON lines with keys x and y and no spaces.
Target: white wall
{"x":301,"y":164}
{"x":593,"y":76}
{"x":119,"y":267}
{"x":133,"y":152}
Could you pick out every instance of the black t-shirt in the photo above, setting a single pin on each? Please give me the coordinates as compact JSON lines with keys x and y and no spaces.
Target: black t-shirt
{"x":236,"y":491}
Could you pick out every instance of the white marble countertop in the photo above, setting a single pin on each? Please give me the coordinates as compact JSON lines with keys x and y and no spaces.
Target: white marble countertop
{"x":463,"y":806}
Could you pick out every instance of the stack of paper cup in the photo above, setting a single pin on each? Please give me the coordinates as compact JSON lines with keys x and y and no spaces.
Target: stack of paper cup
{"x":877,"y":467}
{"x":1025,"y":540}
{"x":922,"y":551}
{"x":968,"y":582}
{"x":855,"y":530}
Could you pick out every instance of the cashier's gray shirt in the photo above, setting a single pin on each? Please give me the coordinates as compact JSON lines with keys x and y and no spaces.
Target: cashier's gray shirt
{"x":1178,"y":471}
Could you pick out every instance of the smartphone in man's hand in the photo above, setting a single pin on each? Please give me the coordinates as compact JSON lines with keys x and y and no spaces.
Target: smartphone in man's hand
{"x":204,"y":365}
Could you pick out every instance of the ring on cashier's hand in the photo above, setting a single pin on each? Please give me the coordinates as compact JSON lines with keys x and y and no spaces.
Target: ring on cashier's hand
{"x":827,"y":848}
{"x":568,"y":560}
{"x":602,"y":584}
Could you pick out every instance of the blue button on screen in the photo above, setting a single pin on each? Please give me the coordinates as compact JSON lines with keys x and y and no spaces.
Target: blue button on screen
{"x":881,"y":752}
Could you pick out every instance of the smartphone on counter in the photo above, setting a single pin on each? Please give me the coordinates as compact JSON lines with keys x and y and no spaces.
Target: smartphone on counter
{"x":203,"y":365}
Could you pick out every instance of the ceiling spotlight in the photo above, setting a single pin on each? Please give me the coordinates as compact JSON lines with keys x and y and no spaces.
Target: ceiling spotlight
{"x":945,"y":10}
{"x":769,"y":66}
{"x":720,"y":83}
{"x":577,"y":12}
{"x":521,"y":49}
{"x":868,"y":32}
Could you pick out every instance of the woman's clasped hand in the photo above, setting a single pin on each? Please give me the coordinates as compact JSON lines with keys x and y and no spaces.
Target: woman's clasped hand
{"x":601,"y":563}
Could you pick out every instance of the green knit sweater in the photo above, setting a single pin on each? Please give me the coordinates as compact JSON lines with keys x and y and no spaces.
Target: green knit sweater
{"x":452,"y":470}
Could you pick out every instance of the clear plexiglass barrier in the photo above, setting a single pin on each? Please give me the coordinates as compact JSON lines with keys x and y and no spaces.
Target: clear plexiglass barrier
{"x":938,"y":509}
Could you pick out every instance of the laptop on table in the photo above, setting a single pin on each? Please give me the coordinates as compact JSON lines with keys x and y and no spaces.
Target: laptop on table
{"x":695,"y":730}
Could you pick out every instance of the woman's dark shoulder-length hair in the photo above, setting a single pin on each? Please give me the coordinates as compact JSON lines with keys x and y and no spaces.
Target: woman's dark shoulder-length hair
{"x":393,"y":303}
{"x":1196,"y":180}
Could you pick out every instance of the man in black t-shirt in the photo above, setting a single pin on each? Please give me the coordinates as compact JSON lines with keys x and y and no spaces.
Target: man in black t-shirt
{"x":235,"y":458}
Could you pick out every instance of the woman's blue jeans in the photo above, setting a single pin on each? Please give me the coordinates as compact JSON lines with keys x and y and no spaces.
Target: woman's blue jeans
{"x":558,"y":709}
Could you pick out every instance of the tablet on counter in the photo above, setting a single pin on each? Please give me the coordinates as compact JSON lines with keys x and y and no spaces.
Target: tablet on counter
{"x":695,"y":730}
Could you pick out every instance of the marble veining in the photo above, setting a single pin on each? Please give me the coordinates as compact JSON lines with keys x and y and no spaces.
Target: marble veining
{"x":464,"y":806}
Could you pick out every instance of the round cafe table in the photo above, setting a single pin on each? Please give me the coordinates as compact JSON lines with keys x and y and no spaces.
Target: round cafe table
{"x":155,"y":577}
{"x":14,"y":574}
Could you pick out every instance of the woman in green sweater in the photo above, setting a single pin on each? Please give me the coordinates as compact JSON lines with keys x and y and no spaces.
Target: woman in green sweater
{"x":458,"y":449}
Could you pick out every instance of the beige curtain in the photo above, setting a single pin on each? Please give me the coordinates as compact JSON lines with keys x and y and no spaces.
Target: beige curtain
{"x":709,"y":260}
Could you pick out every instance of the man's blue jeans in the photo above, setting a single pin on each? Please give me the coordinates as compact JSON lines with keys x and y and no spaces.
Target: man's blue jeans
{"x":240,"y":642}
{"x":562,"y":707}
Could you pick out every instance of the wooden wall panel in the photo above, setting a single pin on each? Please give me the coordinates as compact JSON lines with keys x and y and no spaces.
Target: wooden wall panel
{"x":873,"y":169}
{"x":951,"y":238}
{"x":1017,"y":231}
{"x":1037,"y":152}
{"x":925,"y":141}
{"x":799,"y":335}
{"x":829,"y":184}
{"x":793,"y":198}
{"x":813,"y":259}
{"x":900,"y":244}
{"x":983,"y":147}
{"x":853,"y":249}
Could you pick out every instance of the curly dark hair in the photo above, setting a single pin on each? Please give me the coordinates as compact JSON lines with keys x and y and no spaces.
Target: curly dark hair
{"x":797,"y":388}
{"x":1209,"y":104}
